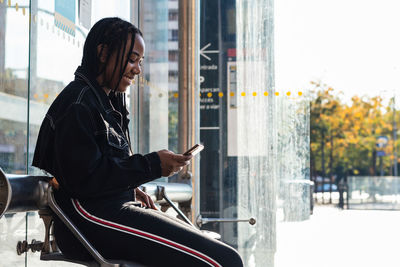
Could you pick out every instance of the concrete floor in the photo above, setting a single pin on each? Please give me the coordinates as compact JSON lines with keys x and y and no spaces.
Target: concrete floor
{"x":345,"y":238}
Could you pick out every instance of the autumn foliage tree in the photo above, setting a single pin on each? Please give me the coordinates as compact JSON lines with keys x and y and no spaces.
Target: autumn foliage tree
{"x":344,"y":135}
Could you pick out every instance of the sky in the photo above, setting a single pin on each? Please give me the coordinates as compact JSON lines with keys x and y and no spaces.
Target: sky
{"x":351,"y":45}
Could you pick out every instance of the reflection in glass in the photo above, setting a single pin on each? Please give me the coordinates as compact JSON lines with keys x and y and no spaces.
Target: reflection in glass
{"x":14,"y":50}
{"x":373,"y":192}
{"x":12,"y":230}
{"x":13,"y":88}
{"x":272,"y":139}
{"x":153,"y":96}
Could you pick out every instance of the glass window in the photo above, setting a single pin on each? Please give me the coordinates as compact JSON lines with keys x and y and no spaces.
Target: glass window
{"x":173,"y":15}
{"x":173,"y":56}
{"x":14,"y":51}
{"x":158,"y":87}
{"x":173,"y":35}
{"x":255,"y":137}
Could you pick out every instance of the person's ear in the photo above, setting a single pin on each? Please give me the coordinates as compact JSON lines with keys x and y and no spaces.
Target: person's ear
{"x":102,"y":52}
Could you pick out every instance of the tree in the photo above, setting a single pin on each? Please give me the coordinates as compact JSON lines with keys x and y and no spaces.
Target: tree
{"x":343,"y":136}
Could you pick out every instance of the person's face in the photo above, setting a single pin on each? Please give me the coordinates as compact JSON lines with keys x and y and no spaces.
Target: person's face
{"x":133,"y":68}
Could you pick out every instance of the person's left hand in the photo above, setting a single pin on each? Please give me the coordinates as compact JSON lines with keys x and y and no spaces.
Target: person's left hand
{"x":145,"y":199}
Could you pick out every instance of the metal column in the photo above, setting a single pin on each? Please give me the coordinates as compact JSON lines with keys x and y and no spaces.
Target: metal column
{"x":188,"y":91}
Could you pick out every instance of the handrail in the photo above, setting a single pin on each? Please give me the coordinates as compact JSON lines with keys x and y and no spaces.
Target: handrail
{"x":177,"y":192}
{"x":5,"y":193}
{"x":22,"y":193}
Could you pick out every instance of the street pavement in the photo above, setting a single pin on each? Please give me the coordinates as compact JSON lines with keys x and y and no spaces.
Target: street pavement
{"x":340,"y":238}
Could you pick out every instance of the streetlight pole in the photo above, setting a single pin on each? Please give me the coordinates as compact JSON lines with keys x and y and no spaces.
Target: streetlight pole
{"x":395,"y":149}
{"x":394,"y":137}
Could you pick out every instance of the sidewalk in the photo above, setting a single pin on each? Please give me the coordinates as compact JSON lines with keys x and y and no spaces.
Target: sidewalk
{"x":345,"y":238}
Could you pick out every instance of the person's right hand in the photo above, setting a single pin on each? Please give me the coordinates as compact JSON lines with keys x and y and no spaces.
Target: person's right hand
{"x":172,"y":163}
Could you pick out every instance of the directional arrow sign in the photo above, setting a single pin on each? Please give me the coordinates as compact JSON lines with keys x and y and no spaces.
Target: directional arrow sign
{"x":203,"y":51}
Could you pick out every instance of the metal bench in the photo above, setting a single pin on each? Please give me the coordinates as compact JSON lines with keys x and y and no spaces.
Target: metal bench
{"x":22,"y":193}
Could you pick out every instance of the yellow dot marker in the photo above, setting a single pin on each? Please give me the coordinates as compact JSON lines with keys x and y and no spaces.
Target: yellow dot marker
{"x":243,"y":93}
{"x":35,"y":96}
{"x":16,"y":7}
{"x":9,"y":3}
{"x":277,"y":93}
{"x":266,"y":93}
{"x":176,"y":95}
{"x":23,"y":11}
{"x":46,"y":95}
{"x":300,"y":93}
{"x":288,"y":93}
{"x":254,"y":93}
{"x":220,"y":94}
{"x":232,"y":94}
{"x":209,"y":94}
{"x":199,"y":94}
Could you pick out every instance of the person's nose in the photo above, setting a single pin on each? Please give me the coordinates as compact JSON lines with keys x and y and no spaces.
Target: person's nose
{"x":136,"y":69}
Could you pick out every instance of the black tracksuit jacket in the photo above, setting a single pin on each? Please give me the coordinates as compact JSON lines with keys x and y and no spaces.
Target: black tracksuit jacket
{"x":83,"y":143}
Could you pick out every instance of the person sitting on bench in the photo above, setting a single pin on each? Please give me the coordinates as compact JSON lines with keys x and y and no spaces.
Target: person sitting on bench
{"x":84,"y":143}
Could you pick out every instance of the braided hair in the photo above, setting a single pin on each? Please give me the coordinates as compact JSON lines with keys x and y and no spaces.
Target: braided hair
{"x":114,"y":34}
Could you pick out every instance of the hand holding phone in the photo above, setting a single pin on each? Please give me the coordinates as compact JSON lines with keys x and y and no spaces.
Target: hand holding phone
{"x":172,"y":163}
{"x":194,"y":150}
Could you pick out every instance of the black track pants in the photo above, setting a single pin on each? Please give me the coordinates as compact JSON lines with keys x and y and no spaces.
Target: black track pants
{"x":120,"y":230}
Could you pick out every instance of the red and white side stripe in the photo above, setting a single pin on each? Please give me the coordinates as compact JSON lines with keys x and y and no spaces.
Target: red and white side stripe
{"x":149,"y":236}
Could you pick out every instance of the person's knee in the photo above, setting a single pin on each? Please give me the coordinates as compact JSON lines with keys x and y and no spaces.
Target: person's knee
{"x":231,"y":258}
{"x":236,"y":259}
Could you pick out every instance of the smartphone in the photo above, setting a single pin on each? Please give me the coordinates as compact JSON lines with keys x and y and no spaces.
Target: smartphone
{"x":194,"y":150}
